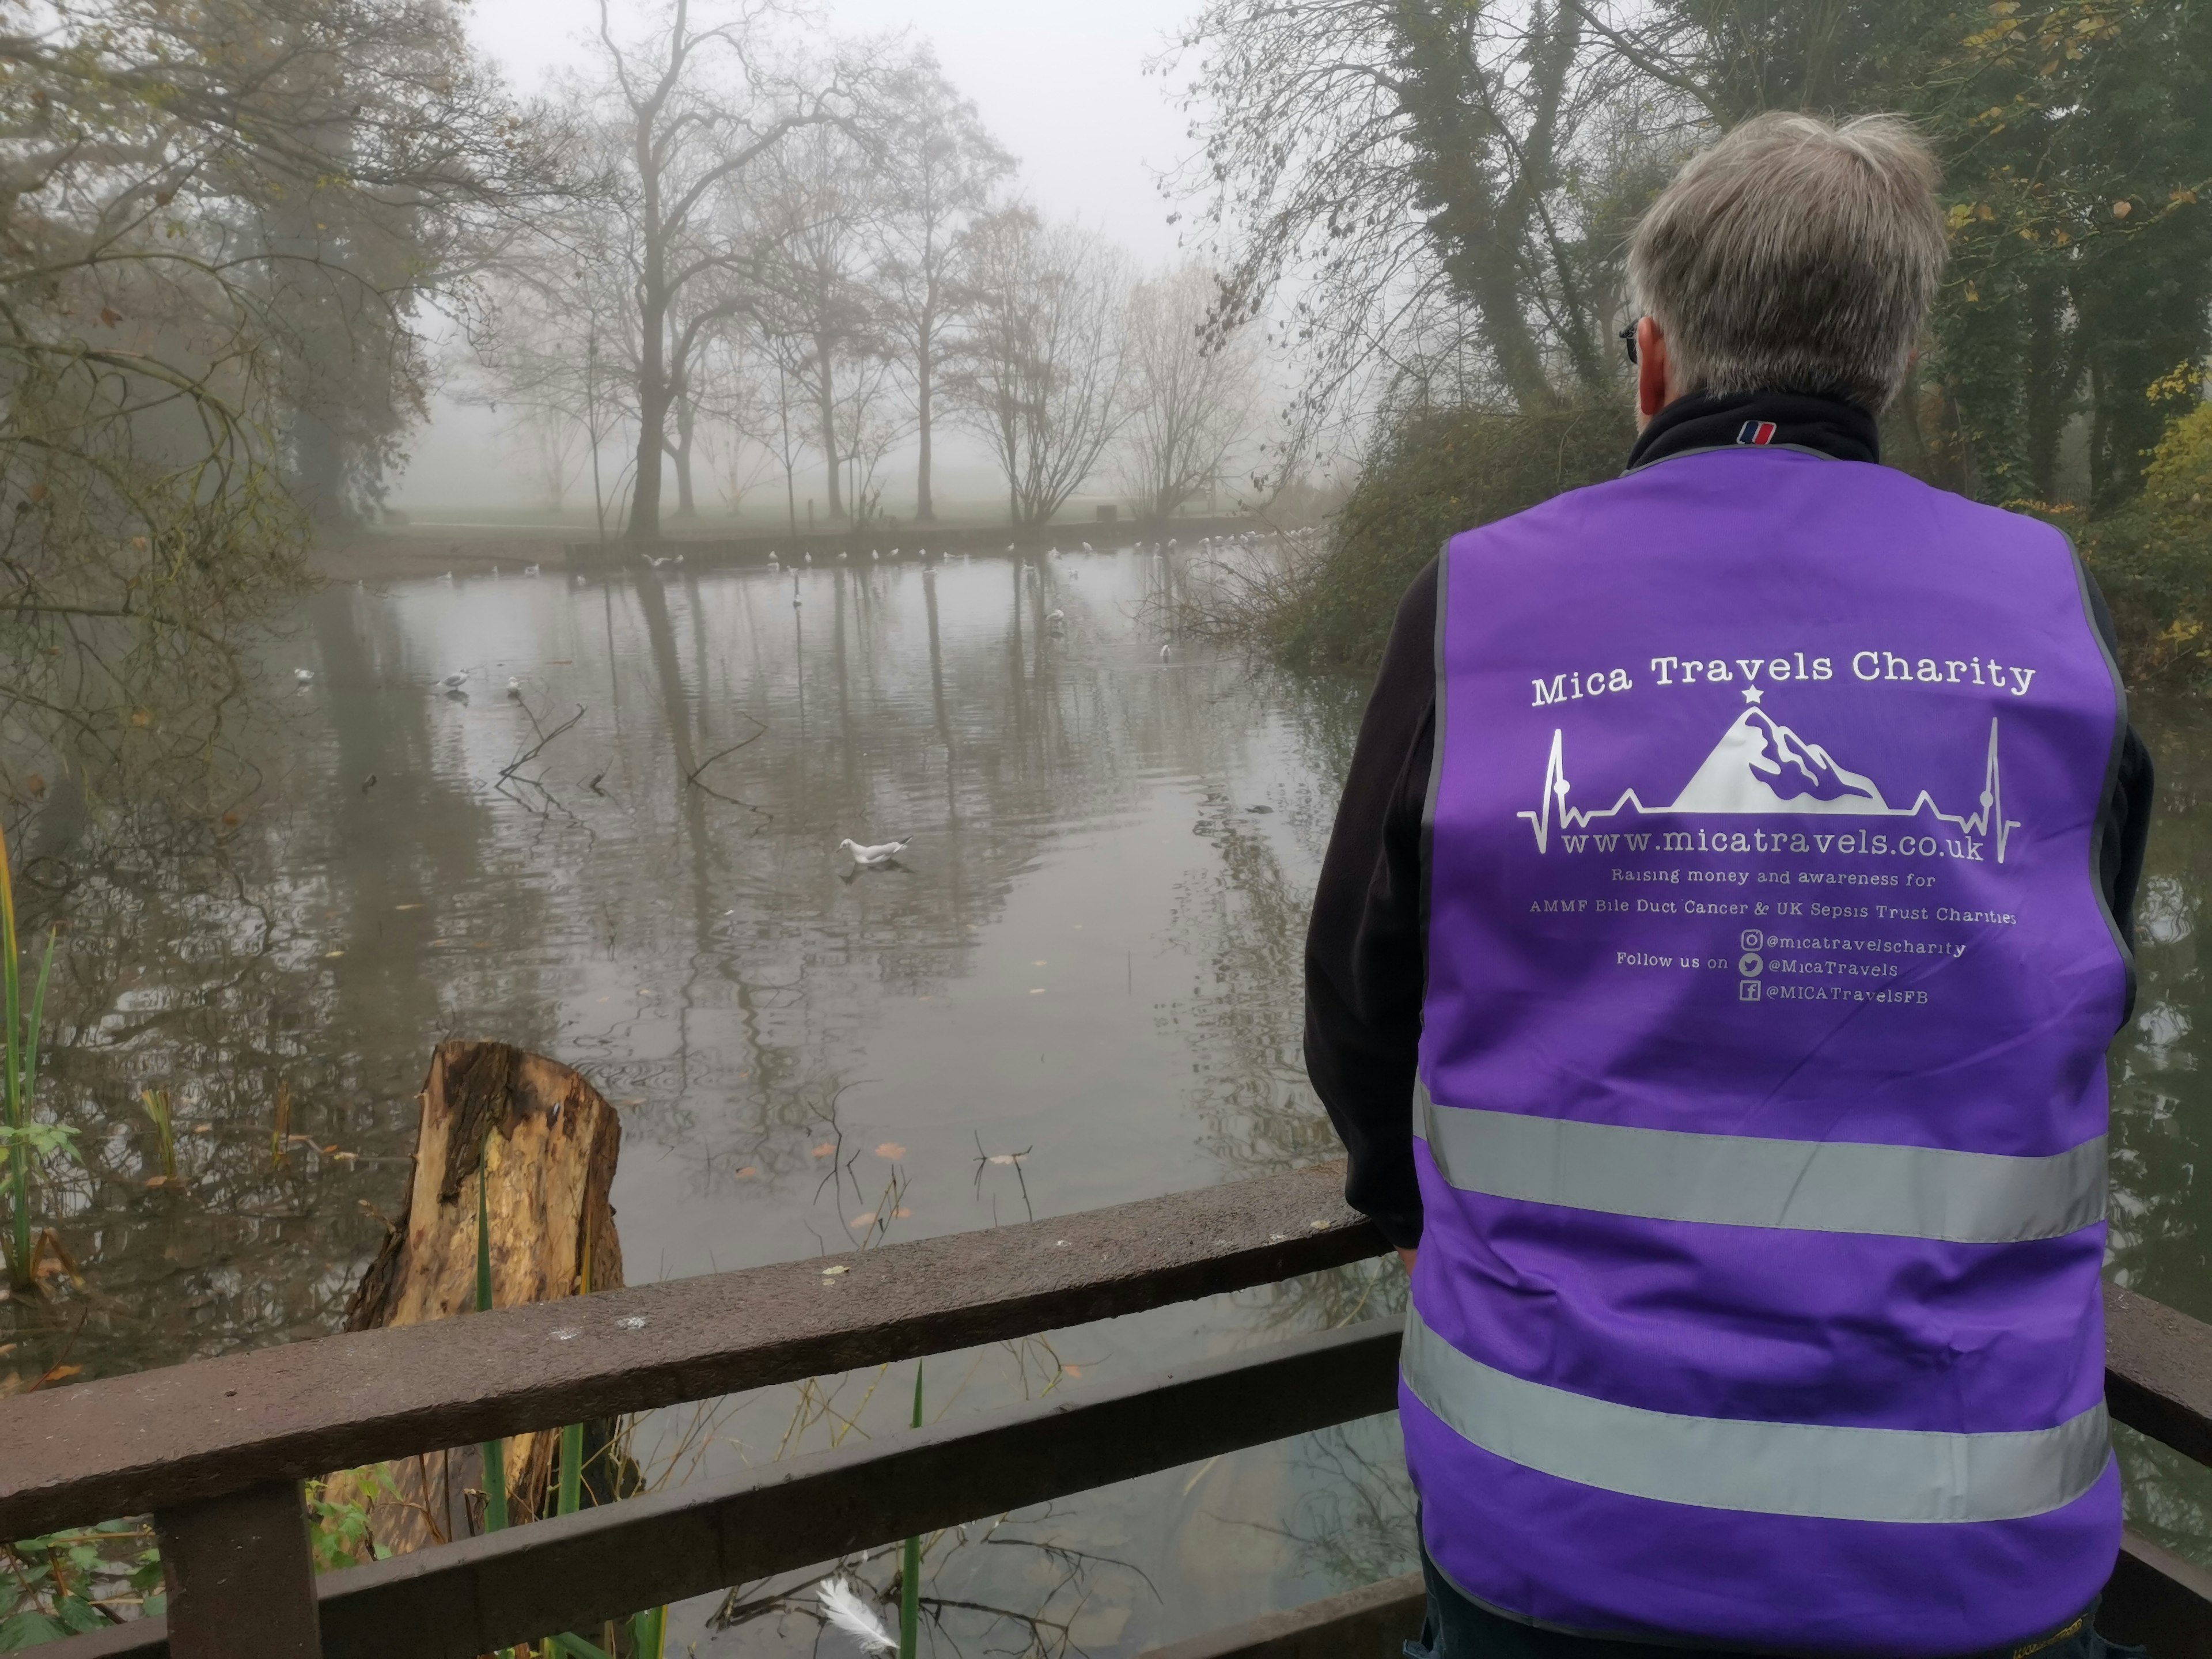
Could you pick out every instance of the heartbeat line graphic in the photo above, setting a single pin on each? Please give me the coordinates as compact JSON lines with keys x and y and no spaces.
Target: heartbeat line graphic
{"x":1831,"y":792}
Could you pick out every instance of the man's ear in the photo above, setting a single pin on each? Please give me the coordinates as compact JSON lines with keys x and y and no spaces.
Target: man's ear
{"x":1652,"y":388}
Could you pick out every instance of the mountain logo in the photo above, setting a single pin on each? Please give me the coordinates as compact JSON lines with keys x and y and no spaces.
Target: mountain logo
{"x":1761,"y":767}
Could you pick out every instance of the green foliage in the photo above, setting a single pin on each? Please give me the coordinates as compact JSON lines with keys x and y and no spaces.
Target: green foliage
{"x":338,"y":1528}
{"x":2153,"y":560}
{"x":60,"y":1585}
{"x":2076,"y":139}
{"x":1433,"y":474}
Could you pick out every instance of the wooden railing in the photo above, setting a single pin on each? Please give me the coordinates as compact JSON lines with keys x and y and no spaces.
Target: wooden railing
{"x":216,"y":1449}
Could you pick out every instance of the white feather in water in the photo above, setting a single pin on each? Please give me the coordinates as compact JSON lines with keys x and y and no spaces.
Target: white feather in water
{"x":856,"y":1618}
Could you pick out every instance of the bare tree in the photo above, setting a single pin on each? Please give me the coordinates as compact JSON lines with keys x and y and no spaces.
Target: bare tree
{"x":817,"y":207}
{"x":1192,"y":396}
{"x":1042,"y":373}
{"x":697,"y":109}
{"x":941,"y":169}
{"x":218,"y":223}
{"x":553,"y":446}
{"x":734,"y":413}
{"x":557,"y":338}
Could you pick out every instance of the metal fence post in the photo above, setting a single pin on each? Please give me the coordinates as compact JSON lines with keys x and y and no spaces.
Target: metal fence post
{"x":241,"y":1575}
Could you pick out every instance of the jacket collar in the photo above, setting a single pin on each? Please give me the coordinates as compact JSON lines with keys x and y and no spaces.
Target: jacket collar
{"x":1795,"y":420}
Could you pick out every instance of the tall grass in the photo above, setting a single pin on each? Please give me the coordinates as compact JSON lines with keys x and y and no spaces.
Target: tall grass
{"x":23,"y":1141}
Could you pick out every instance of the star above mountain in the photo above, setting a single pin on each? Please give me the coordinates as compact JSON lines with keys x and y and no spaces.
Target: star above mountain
{"x":1752,"y":694}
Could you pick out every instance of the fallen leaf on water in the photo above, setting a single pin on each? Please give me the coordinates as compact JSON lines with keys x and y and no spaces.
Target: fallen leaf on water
{"x":416,"y":906}
{"x":823,"y":1150}
{"x":901,"y":1213}
{"x":1005,"y":1158}
{"x":631,"y":1100}
{"x":327,"y":954}
{"x":890,"y":1149}
{"x":865,"y":1218}
{"x":202,"y":1128}
{"x":1075,"y":1371}
{"x":749,"y":1169}
{"x":34,"y":784}
{"x":58,"y":1374}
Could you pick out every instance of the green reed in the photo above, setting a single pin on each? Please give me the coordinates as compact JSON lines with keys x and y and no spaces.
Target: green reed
{"x":910,"y":1563}
{"x":21,"y":1140}
{"x":494,"y":1451}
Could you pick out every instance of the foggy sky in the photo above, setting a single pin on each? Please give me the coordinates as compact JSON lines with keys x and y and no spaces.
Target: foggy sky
{"x":1061,"y":85}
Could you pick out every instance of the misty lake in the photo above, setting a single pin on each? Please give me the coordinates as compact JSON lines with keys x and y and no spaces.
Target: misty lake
{"x":1080,"y":985}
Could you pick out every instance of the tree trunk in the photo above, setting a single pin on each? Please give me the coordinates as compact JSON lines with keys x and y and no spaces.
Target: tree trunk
{"x":829,"y":414}
{"x":652,"y":439}
{"x":680,"y":452}
{"x":925,"y":499}
{"x":653,"y":389}
{"x":542,"y":1144}
{"x":1441,"y":95}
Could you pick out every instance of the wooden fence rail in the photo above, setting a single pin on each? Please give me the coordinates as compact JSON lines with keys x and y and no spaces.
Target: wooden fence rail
{"x":217,"y":1449}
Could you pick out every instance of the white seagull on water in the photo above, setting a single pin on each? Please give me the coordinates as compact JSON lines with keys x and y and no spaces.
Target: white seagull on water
{"x":456,"y":680}
{"x":882,"y":852}
{"x":305,"y":676}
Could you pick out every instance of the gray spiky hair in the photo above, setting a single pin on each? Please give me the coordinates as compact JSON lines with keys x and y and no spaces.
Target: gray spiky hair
{"x":1794,"y":255}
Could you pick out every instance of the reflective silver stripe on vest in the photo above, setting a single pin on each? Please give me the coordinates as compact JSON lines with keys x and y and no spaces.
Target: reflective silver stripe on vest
{"x":1738,"y":1181}
{"x":1761,"y":1468}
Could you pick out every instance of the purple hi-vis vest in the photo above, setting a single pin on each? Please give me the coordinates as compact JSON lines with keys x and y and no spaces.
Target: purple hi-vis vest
{"x":1762,"y":1106}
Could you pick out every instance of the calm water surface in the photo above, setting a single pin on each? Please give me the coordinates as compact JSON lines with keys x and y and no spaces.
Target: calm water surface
{"x":1089,"y":959}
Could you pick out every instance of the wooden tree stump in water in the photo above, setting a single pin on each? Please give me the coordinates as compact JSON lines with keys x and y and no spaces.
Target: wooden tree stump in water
{"x":543,"y":1143}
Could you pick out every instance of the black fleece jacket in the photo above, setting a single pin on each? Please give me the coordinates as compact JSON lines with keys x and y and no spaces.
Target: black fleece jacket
{"x":1366,"y":946}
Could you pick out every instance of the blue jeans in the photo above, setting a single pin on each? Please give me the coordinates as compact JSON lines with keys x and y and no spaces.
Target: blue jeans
{"x":1457,"y":1628}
